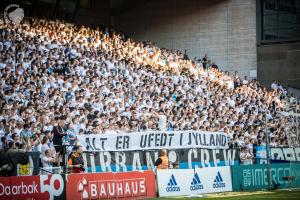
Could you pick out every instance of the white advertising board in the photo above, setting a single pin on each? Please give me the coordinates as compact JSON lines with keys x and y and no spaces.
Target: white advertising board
{"x":179,"y":182}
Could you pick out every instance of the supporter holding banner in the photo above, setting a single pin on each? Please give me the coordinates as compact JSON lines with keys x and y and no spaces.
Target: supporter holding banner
{"x":142,"y":160}
{"x":154,"y":140}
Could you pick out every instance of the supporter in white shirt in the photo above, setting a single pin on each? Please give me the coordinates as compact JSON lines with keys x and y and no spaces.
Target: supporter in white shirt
{"x":162,"y":121}
{"x":245,"y":156}
{"x":273,"y":142}
{"x":274,"y":85}
{"x":48,"y":160}
{"x":45,"y":146}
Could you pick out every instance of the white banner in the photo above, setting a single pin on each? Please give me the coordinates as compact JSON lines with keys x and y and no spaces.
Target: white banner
{"x":277,"y":154}
{"x":153,"y":140}
{"x":285,"y":154}
{"x":180,"y":182}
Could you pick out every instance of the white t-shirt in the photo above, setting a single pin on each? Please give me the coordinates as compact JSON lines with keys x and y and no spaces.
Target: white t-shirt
{"x":274,"y":86}
{"x":162,"y":122}
{"x":46,"y":162}
{"x":245,"y":158}
{"x":43,"y":149}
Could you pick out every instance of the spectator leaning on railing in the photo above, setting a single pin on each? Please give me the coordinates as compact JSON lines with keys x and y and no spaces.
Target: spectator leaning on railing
{"x":48,"y":159}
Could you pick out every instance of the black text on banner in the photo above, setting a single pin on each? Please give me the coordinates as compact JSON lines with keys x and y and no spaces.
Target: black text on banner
{"x":154,"y":140}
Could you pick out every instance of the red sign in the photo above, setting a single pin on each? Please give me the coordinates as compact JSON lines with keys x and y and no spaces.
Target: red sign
{"x":127,"y":185}
{"x":4,"y":182}
{"x":32,"y":187}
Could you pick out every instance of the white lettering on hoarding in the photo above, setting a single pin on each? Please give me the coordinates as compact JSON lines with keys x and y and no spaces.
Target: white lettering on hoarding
{"x":19,"y":189}
{"x":50,"y":188}
{"x":114,"y":188}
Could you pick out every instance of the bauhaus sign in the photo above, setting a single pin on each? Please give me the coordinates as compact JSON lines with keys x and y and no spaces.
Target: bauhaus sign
{"x":111,"y":185}
{"x":112,"y":188}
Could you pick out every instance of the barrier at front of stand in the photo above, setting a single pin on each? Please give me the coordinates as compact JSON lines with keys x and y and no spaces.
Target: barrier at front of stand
{"x":254,"y":177}
{"x":127,"y":185}
{"x":33,"y":187}
{"x":130,"y":185}
{"x":179,"y":182}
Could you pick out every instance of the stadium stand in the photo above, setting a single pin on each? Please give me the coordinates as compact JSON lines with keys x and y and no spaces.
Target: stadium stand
{"x":68,"y":80}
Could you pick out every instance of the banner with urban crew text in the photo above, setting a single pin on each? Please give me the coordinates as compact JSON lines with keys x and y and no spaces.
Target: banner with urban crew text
{"x":143,"y":160}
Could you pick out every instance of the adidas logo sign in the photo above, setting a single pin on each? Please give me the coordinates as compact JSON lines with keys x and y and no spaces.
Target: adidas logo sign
{"x":172,"y":185}
{"x":196,"y":183}
{"x":218,"y":182}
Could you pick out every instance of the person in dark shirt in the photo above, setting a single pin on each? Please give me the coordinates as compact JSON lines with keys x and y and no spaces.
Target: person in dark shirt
{"x":204,"y":59}
{"x":4,"y":143}
{"x":75,"y":161}
{"x":185,"y":56}
{"x":214,"y":65}
{"x":58,"y":134}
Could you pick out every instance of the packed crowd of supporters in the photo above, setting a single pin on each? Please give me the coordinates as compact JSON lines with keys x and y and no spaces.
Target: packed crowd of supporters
{"x":59,"y":81}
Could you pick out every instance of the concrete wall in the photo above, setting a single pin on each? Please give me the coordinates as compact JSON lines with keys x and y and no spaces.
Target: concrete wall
{"x":279,"y":62}
{"x":224,"y":29}
{"x":97,"y":14}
